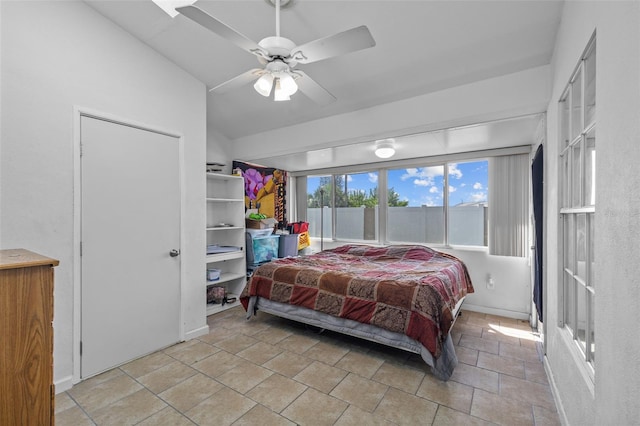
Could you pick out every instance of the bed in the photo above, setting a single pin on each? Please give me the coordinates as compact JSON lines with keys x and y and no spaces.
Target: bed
{"x":404,"y":296}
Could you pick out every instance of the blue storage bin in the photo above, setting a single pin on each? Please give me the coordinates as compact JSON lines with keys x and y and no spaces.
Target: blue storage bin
{"x":264,"y":249}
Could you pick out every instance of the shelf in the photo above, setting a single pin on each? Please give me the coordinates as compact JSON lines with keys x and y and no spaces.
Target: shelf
{"x":220,"y":176}
{"x":226,"y":277}
{"x":219,"y":257}
{"x":223,"y":228}
{"x":225,"y":200}
{"x":214,"y":308}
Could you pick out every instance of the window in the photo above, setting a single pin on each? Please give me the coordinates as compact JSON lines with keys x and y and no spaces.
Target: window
{"x":577,"y":124}
{"x":435,"y":204}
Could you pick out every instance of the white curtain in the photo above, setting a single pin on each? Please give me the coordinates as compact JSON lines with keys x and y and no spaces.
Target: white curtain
{"x":509,"y":205}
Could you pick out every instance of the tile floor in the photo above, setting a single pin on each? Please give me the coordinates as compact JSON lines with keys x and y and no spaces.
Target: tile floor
{"x":271,"y":371}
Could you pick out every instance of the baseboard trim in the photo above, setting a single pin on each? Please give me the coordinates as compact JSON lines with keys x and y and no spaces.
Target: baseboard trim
{"x":197,"y":332}
{"x":554,"y":392}
{"x":493,"y":311}
{"x":63,"y":384}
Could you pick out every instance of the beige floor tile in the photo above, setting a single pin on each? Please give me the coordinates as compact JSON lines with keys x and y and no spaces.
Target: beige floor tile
{"x":104,"y":393}
{"x":401,"y":377}
{"x":360,"y":363}
{"x":64,"y":402}
{"x":236,"y":343}
{"x":288,"y":364}
{"x":519,"y":352}
{"x":297,"y":343}
{"x":315,"y":408}
{"x":168,"y":416}
{"x":167,"y":376}
{"x":262,"y":416}
{"x":190,"y":392}
{"x":147,"y":364}
{"x":498,"y":334}
{"x":544,"y":417}
{"x":535,"y":372}
{"x":321,"y":376}
{"x":130,"y":409}
{"x":218,"y":363}
{"x":244,"y":377}
{"x":272,"y":335}
{"x":476,"y":377}
{"x":448,"y":417}
{"x":511,"y":366}
{"x":276,"y":392}
{"x":405,"y":409}
{"x":216,"y":334}
{"x":222,"y":408}
{"x":467,"y":355}
{"x":388,"y":353}
{"x":479,"y":344}
{"x":326,"y":352}
{"x":355,"y":416}
{"x":94,"y":381}
{"x":450,"y":393}
{"x":361,"y":392}
{"x":191,"y":351}
{"x":73,"y":416}
{"x":260,"y":353}
{"x":530,"y":392}
{"x":468,"y":329}
{"x":503,"y":411}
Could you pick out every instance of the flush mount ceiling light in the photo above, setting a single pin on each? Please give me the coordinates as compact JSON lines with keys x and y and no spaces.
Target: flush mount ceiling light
{"x":169,"y":6}
{"x":384,"y":148}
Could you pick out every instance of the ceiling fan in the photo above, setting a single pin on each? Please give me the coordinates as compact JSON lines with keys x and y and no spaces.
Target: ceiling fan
{"x":279,"y":56}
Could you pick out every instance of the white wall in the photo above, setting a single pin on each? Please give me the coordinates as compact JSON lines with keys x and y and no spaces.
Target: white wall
{"x":57,"y":55}
{"x":613,"y":397}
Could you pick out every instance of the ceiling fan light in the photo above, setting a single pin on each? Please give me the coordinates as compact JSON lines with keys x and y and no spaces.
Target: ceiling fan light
{"x":288,"y":84}
{"x":279,"y":94}
{"x":264,"y":84}
{"x":384,"y":148}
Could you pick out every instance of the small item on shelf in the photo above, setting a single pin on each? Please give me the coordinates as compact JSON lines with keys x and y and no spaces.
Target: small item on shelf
{"x":216,"y":294}
{"x":215,"y":249}
{"x":213,"y":274}
{"x":214,"y":167}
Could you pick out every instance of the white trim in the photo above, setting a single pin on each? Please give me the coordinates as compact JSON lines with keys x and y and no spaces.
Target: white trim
{"x":78,"y":112}
{"x":555,"y":392}
{"x":499,"y":312}
{"x":63,"y":384}
{"x":197,"y":332}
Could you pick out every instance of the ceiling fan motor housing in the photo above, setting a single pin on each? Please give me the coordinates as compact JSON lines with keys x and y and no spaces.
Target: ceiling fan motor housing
{"x":278,"y":47}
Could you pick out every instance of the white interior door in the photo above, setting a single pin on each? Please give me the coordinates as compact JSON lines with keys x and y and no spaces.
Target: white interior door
{"x":130,"y":301}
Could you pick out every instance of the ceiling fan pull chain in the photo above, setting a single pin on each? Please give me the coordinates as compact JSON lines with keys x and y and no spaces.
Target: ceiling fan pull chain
{"x":277,"y":18}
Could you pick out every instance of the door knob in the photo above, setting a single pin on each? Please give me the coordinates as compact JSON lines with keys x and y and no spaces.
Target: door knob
{"x":174,"y":253}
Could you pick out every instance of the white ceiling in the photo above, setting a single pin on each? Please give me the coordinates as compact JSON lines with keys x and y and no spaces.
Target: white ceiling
{"x":421,"y":47}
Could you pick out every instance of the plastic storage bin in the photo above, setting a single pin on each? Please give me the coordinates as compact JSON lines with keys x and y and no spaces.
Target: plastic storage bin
{"x":264,"y":249}
{"x":288,"y":245}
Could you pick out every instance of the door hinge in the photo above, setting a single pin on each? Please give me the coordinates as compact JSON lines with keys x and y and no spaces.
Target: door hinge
{"x":81,"y":149}
{"x":80,"y":248}
{"x":80,"y":347}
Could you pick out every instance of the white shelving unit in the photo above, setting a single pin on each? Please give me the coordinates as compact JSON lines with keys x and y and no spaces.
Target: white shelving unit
{"x":225,"y":227}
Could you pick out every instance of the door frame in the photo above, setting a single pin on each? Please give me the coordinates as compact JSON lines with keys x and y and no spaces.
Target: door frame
{"x":78,"y":112}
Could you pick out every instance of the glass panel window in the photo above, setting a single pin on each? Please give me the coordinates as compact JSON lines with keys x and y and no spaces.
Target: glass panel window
{"x":590,"y":168}
{"x":468,"y":203}
{"x":576,"y":105}
{"x":357,"y":206}
{"x":319,"y":204}
{"x":415,"y":210}
{"x":576,"y":182}
{"x":568,"y":243}
{"x":565,"y":121}
{"x":592,"y":335}
{"x":590,"y":88}
{"x":569,"y":301}
{"x":591,"y":282}
{"x":581,"y":247}
{"x":581,"y":326}
{"x":565,"y":189}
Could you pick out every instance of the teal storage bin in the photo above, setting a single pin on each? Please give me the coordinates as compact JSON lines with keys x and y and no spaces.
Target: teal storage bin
{"x":265,"y":249}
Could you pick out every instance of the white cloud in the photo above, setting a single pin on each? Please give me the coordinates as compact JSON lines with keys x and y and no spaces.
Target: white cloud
{"x":479,"y":196}
{"x":422,"y":182}
{"x":373,"y":177}
{"x":452,"y":189}
{"x":454,"y":171}
{"x":477,"y":185}
{"x":349,"y":178}
{"x":433,"y":190}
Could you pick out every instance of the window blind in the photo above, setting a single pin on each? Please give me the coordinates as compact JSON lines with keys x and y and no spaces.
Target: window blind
{"x":509,"y":205}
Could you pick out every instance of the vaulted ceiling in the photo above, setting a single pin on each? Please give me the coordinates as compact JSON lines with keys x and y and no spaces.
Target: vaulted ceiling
{"x":421,"y":47}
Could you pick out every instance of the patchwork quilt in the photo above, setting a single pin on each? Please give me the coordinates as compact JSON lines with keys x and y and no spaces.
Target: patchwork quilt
{"x":407,"y":289}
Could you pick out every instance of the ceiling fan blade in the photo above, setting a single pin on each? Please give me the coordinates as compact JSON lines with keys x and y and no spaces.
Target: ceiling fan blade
{"x":239,"y":81}
{"x":223,"y":30}
{"x":338,"y":44}
{"x":313,"y":90}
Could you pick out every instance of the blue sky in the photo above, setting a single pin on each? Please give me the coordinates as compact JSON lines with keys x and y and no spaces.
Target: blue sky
{"x":424,"y":185}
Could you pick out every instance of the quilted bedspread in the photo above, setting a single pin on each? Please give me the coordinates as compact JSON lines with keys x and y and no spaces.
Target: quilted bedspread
{"x":406,"y":289}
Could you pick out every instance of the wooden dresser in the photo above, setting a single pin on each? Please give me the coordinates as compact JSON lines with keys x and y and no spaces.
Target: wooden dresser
{"x":26,"y":338}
